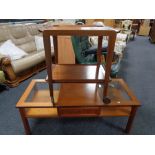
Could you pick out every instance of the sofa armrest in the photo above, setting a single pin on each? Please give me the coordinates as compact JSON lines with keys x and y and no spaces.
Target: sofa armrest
{"x":7,"y":69}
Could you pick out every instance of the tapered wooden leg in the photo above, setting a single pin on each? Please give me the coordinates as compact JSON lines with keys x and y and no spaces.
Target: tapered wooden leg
{"x":25,"y":121}
{"x":131,"y":118}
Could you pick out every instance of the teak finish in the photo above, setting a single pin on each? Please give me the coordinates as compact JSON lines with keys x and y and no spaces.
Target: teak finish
{"x":56,"y":31}
{"x":91,"y":104}
{"x":77,"y":73}
{"x":81,"y":88}
{"x":65,"y":50}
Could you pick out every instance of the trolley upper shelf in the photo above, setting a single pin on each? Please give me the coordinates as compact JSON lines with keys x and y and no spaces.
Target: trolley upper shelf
{"x":79,"y":31}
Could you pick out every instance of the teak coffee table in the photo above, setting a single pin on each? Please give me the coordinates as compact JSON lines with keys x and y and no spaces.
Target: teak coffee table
{"x":77,"y":100}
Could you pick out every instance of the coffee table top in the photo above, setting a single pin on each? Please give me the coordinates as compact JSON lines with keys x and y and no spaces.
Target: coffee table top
{"x":76,"y":95}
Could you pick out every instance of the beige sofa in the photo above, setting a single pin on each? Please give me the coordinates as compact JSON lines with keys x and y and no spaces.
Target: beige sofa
{"x":23,"y":37}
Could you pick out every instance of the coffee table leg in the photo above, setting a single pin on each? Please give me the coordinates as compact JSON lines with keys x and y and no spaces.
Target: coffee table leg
{"x":25,"y":121}
{"x":131,"y":118}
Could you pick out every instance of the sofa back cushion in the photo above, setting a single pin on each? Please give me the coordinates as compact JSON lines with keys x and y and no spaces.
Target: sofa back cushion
{"x":18,"y":31}
{"x":4,"y":34}
{"x":22,"y":38}
{"x":22,"y":35}
{"x":28,"y":47}
{"x":33,"y":29}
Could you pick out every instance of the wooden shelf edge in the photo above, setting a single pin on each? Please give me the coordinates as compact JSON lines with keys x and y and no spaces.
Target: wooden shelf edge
{"x":53,"y":113}
{"x":41,"y":112}
{"x":77,"y":73}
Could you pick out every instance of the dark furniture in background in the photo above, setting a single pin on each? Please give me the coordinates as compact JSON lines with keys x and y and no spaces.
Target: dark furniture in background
{"x":22,"y":21}
{"x":136,"y":25}
{"x":152,"y":32}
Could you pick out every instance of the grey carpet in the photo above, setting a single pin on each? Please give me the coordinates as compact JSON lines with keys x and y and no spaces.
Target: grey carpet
{"x":137,"y":69}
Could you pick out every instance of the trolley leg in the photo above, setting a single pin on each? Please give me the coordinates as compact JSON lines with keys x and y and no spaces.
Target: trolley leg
{"x":131,"y":118}
{"x":25,"y":121}
{"x":106,"y":99}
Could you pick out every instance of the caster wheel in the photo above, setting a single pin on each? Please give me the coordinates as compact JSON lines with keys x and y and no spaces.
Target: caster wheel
{"x":106,"y":100}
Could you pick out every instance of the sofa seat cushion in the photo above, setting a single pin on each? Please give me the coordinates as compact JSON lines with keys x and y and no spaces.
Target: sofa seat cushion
{"x":29,"y":61}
